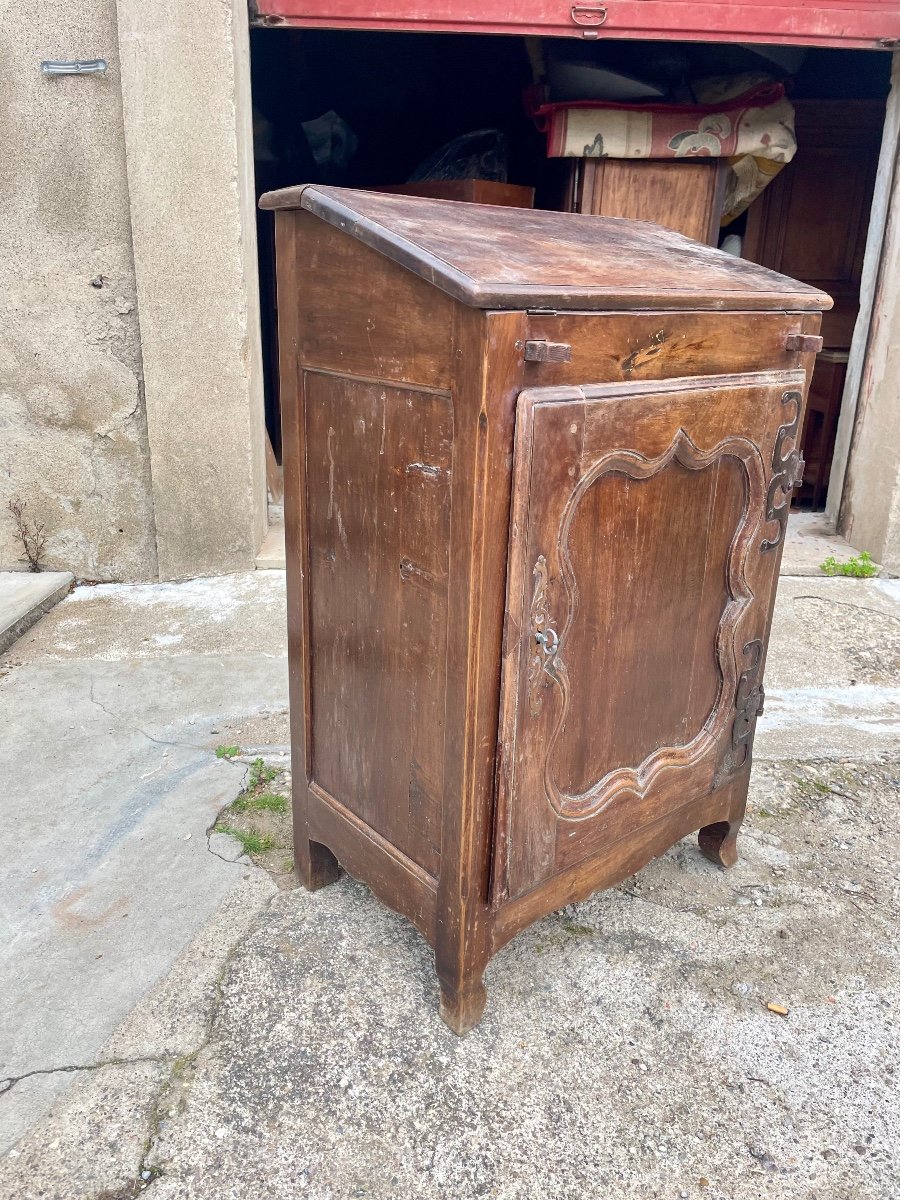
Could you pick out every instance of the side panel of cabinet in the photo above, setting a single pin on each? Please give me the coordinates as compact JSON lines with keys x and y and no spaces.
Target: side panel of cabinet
{"x":369,"y":426}
{"x":645,"y":524}
{"x":378,"y":471}
{"x":683,"y":194}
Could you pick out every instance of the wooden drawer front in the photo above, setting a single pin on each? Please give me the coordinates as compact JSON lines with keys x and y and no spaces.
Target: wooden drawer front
{"x":646,"y":528}
{"x":646,"y":345}
{"x":378,"y":462}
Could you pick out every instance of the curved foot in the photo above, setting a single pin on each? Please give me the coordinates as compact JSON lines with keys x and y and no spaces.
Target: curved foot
{"x":718,"y":842}
{"x":462,"y":1008}
{"x":315,"y":865}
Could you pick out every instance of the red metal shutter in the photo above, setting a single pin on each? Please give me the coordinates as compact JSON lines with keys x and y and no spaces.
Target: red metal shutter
{"x":871,"y":23}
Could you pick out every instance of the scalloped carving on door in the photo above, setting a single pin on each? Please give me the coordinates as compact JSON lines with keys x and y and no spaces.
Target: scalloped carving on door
{"x":549,"y":658}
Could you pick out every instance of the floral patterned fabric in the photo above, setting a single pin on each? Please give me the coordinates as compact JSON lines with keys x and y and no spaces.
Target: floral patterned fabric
{"x":744,"y":119}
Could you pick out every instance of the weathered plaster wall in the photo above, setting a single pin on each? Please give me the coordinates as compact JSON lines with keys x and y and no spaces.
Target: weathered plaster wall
{"x":864,"y":487}
{"x":73,"y":440}
{"x":188,"y":141}
{"x":870,"y":505}
{"x":870,"y":514}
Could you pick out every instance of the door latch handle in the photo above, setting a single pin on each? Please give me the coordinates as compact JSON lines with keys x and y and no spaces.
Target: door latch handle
{"x":589,"y":14}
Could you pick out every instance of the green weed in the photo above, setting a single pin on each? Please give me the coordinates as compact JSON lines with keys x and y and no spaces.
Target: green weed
{"x":227,"y":751}
{"x":266,"y":802}
{"x":250,"y":840}
{"x":260,"y":774}
{"x":860,"y":567}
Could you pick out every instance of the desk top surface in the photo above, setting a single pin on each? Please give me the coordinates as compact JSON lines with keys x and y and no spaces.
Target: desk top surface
{"x":511,"y":258}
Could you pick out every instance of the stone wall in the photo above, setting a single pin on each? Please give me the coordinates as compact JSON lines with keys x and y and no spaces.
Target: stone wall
{"x":189,"y":154}
{"x":73,"y":436}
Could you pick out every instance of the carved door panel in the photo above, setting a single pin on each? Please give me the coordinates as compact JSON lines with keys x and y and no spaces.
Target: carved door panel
{"x":646,"y":532}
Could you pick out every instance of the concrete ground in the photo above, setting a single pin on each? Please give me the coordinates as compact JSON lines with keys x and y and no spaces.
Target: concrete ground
{"x":25,"y":597}
{"x":180,"y":1024}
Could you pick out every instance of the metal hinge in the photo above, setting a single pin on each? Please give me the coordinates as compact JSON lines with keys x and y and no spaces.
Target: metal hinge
{"x":762,"y":701}
{"x":544,"y":351}
{"x":794,"y":472}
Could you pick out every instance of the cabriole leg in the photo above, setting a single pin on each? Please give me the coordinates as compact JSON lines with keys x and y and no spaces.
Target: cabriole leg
{"x":718,"y":842}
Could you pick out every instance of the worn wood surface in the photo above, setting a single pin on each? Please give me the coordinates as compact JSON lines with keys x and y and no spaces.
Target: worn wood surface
{"x":314,"y":863}
{"x":663,"y":345}
{"x":357,"y":310}
{"x":421,"y":732}
{"x":638,"y":575}
{"x":494,"y":257}
{"x":378,"y":462}
{"x":683,"y":195}
{"x":490,"y":363}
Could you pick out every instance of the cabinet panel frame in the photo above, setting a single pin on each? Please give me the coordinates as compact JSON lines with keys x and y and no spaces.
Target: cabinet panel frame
{"x":743,"y":627}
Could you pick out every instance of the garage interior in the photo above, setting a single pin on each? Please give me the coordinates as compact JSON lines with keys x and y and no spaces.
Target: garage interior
{"x":377,"y":109}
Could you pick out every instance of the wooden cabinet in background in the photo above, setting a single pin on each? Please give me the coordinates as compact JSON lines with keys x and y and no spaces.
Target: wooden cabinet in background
{"x":475,"y":191}
{"x":684,"y":195}
{"x":537,"y":473}
{"x":811,"y":221}
{"x":823,"y":407}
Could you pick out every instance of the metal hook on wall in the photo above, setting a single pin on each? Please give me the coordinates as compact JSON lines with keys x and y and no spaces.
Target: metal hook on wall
{"x":91,"y":66}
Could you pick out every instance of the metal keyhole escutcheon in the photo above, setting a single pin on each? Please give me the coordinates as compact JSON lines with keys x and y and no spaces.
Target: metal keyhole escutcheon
{"x":549,"y":640}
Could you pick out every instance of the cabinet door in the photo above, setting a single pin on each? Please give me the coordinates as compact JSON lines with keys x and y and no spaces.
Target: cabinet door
{"x":645,"y":537}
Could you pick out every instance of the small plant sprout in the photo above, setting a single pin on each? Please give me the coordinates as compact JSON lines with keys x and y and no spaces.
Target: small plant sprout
{"x":227,"y":751}
{"x":266,"y":802}
{"x":858,"y":567}
{"x":31,"y":535}
{"x":260,"y":774}
{"x":251,"y":841}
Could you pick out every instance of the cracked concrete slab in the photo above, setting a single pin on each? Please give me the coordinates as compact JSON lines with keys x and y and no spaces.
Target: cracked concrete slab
{"x":294,"y":1048}
{"x":24,"y":598}
{"x":110,"y":785}
{"x":810,"y":539}
{"x":626,"y":1051}
{"x":110,"y":1113}
{"x":114,"y":1105}
{"x":833,"y":670}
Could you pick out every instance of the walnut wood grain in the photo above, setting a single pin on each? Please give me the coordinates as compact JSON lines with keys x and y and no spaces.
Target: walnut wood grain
{"x":494,"y":257}
{"x":630,"y":703}
{"x":683,"y":195}
{"x":468,"y":531}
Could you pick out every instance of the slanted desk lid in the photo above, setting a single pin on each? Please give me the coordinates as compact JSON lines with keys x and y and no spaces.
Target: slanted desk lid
{"x":493,"y":257}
